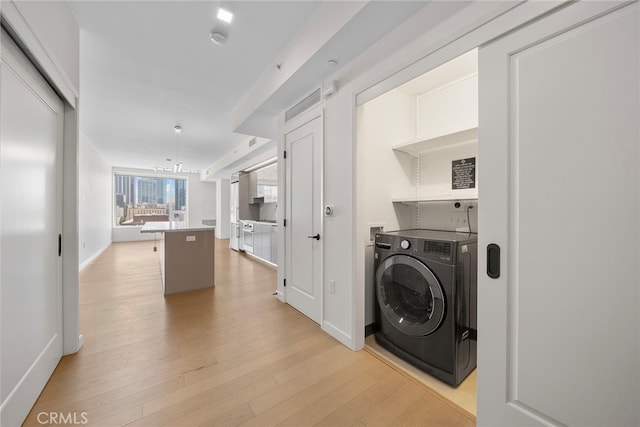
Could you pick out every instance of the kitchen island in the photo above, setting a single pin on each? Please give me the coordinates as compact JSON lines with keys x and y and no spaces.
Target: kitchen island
{"x":186,"y":255}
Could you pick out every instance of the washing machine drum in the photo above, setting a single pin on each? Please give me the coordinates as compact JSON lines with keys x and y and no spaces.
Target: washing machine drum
{"x":410,"y":296}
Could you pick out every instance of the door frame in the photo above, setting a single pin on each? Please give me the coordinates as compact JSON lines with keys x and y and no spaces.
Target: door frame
{"x":479,"y":27}
{"x":474,"y":32}
{"x":284,"y":169}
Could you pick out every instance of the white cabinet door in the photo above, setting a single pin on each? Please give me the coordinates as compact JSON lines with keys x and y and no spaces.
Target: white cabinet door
{"x":266,"y":232}
{"x":262,"y":241}
{"x":558,"y":330}
{"x":274,"y":245}
{"x":258,"y":243}
{"x":253,"y":186}
{"x":244,"y":198}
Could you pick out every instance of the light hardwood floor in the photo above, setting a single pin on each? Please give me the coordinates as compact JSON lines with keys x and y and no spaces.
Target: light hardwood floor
{"x":232,"y":355}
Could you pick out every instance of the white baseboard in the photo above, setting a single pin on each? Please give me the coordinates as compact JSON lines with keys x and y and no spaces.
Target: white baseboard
{"x":93,"y":257}
{"x":264,"y":261}
{"x":338,"y":334}
{"x":280,"y":296}
{"x":18,"y":403}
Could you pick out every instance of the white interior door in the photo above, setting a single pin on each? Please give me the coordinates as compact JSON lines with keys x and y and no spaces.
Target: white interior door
{"x":31,"y":131}
{"x":303,"y":231}
{"x":558,"y":330}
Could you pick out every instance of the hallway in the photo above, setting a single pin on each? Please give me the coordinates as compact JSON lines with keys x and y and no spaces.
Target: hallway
{"x":232,"y":355}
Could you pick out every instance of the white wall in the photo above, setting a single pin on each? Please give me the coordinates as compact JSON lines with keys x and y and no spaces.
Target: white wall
{"x":95,"y":202}
{"x":383,"y":122}
{"x":223,"y":210}
{"x":435,"y":170}
{"x":201,"y":198}
{"x":339,"y":229}
{"x":449,"y":109}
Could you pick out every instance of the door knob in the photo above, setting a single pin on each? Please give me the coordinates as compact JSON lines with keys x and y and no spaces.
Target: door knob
{"x":317,"y":237}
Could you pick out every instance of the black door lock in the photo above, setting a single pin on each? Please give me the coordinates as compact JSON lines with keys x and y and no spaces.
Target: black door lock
{"x":493,"y":261}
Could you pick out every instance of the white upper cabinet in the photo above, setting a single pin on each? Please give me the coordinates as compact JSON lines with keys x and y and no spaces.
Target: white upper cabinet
{"x":267,"y":183}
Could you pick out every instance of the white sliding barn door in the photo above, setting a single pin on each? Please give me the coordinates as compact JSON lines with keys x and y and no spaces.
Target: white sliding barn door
{"x":31,"y":130}
{"x":558,"y":330}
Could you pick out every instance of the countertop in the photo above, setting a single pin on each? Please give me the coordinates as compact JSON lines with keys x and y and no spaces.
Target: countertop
{"x":170,"y":226}
{"x":274,"y":223}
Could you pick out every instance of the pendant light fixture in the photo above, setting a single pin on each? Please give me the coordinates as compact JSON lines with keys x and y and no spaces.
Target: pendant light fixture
{"x":177,"y":168}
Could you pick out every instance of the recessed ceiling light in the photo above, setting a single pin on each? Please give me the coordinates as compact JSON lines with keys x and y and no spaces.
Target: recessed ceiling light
{"x":177,"y":129}
{"x":218,"y":38}
{"x":332,"y":63}
{"x":225,"y":15}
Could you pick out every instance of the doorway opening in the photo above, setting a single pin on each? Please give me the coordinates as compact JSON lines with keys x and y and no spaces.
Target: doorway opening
{"x":418,"y":144}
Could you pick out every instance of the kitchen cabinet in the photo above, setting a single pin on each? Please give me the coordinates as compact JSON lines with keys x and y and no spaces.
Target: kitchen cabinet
{"x":243,"y":196}
{"x":253,"y":186}
{"x":265,"y":241}
{"x":247,"y":210}
{"x":262,"y":240}
{"x":263,"y":185}
{"x":267,"y":183}
{"x":255,"y":189}
{"x":186,"y":256}
{"x":234,"y":239}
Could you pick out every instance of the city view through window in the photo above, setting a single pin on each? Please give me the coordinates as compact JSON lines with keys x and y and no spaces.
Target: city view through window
{"x":141,"y":199}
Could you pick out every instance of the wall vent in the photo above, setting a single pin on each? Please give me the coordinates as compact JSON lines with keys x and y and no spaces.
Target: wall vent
{"x":303,"y":105}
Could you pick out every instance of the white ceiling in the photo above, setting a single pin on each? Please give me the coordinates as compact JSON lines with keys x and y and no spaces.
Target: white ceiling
{"x":146,"y":66}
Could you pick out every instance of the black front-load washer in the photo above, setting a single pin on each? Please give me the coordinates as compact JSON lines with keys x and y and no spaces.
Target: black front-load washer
{"x":426,"y":292}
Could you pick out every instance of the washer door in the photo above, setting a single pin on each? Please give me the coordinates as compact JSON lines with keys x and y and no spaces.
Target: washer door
{"x":409,"y":295}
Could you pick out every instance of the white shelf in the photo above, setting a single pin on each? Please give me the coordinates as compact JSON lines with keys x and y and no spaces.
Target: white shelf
{"x":442,"y":198}
{"x":415,"y":147}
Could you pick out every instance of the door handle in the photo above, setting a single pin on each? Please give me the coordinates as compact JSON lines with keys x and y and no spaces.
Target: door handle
{"x":493,"y":261}
{"x":317,"y":237}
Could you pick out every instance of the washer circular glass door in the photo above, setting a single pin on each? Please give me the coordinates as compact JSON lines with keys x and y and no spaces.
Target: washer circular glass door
{"x":409,"y":295}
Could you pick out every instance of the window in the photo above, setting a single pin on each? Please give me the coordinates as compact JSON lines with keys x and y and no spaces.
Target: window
{"x":141,"y":199}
